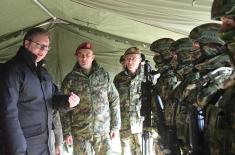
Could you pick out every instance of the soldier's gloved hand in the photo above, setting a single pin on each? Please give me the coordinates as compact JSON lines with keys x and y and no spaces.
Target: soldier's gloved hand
{"x":69,"y":140}
{"x":73,"y":100}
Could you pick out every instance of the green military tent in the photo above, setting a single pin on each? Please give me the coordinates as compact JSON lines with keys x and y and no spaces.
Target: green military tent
{"x":111,"y":25}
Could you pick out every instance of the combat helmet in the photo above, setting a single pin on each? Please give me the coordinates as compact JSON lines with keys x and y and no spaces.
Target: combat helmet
{"x":222,"y":8}
{"x":206,"y":33}
{"x":162,"y":47}
{"x":182,"y":47}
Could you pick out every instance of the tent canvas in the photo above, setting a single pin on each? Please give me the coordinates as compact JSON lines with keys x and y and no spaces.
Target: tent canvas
{"x":111,"y":25}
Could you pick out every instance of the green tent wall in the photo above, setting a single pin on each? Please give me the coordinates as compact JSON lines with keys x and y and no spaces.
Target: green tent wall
{"x":111,"y":25}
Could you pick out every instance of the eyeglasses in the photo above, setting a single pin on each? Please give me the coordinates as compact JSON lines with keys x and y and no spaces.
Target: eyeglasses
{"x":41,"y":46}
{"x":132,"y":58}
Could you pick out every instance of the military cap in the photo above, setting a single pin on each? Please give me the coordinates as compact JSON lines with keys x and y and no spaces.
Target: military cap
{"x":206,"y":33}
{"x":84,"y":45}
{"x":222,"y":8}
{"x":121,"y":59}
{"x":132,"y":50}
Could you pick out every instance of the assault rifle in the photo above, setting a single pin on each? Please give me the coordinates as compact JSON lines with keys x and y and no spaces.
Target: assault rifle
{"x":146,"y":107}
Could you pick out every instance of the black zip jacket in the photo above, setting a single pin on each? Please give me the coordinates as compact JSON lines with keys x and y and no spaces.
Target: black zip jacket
{"x":26,"y":96}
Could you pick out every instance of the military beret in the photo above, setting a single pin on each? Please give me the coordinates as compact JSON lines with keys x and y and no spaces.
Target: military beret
{"x":206,"y":33}
{"x":132,"y":50}
{"x":84,"y":45}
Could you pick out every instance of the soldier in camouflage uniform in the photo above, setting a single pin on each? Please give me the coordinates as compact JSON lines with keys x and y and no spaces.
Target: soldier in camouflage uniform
{"x":223,"y":127}
{"x":96,"y":120}
{"x":208,"y":52}
{"x":176,"y":117}
{"x":167,"y":81}
{"x":128,"y":84}
{"x":183,"y":118}
{"x":213,"y":71}
{"x":157,"y":141}
{"x":211,"y":47}
{"x":165,"y":84}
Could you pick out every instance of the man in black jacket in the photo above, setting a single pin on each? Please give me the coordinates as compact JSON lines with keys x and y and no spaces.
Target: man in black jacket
{"x":27,"y":96}
{"x":1,"y":138}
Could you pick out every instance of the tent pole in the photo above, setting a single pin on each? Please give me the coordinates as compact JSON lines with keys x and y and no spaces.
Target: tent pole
{"x":45,"y":9}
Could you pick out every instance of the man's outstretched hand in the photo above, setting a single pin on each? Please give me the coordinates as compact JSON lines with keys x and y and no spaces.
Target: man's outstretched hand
{"x":73,"y":100}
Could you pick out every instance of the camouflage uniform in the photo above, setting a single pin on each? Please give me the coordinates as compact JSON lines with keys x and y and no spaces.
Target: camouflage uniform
{"x":213,"y":70}
{"x":129,"y":87}
{"x":176,"y":119}
{"x":214,"y":57}
{"x":190,"y":138}
{"x":164,"y":86}
{"x":189,"y":126}
{"x":223,"y":125}
{"x":167,"y":81}
{"x":98,"y":112}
